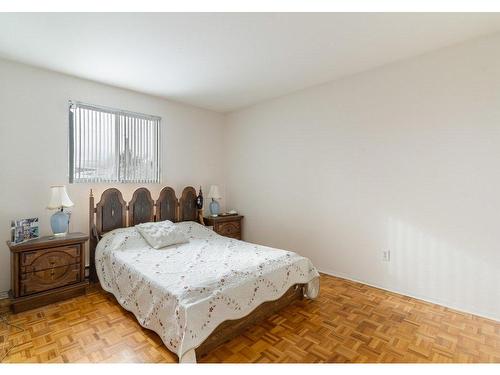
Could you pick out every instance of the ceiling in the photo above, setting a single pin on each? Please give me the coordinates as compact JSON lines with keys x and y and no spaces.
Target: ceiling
{"x":226,"y":61}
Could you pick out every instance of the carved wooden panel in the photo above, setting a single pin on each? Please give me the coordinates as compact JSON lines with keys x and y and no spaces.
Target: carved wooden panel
{"x":32,"y":261}
{"x":229,"y":229}
{"x":141,"y":207}
{"x":111,"y":211}
{"x":39,"y":281}
{"x":187,"y":205}
{"x":232,"y":328}
{"x":229,"y":226}
{"x":166,"y":205}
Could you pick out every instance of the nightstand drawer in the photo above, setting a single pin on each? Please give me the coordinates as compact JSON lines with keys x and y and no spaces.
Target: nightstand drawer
{"x":228,"y":226}
{"x":39,"y":281}
{"x":229,"y":229}
{"x":40,"y":260}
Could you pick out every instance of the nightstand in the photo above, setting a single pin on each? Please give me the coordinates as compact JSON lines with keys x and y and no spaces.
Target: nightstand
{"x":229,"y":226}
{"x":47,"y":270}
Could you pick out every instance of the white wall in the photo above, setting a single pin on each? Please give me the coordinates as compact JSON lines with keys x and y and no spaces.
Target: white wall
{"x":34,"y":144}
{"x":404,"y":157}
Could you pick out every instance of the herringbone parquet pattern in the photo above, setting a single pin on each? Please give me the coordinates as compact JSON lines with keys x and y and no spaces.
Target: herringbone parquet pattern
{"x":349,"y":322}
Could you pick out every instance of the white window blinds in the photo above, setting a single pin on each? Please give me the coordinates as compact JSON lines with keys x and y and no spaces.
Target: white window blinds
{"x":108,"y":145}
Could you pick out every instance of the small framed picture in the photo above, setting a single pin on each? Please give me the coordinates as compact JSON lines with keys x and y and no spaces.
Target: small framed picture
{"x":24,"y":230}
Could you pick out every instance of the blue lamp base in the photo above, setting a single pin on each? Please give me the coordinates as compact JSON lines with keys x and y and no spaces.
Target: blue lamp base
{"x":59,"y":223}
{"x":214,"y":208}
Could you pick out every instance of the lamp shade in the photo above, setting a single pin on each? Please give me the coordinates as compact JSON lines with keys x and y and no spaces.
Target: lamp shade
{"x":214,"y":192}
{"x":59,"y":198}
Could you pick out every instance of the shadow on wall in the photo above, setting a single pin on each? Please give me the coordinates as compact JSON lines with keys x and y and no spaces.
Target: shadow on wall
{"x":434,"y":268}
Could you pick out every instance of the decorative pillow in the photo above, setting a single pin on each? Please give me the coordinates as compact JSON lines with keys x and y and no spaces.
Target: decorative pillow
{"x":161,"y":234}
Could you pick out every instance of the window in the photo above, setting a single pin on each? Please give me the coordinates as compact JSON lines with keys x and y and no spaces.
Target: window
{"x":108,"y":145}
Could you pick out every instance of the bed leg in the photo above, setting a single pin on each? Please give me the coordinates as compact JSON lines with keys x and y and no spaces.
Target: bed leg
{"x":311,"y":289}
{"x":188,"y":357}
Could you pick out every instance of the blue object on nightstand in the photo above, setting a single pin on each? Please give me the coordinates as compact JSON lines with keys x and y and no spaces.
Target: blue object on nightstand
{"x":59,"y":199}
{"x":214,"y":208}
{"x":59,"y":223}
{"x":214,"y":205}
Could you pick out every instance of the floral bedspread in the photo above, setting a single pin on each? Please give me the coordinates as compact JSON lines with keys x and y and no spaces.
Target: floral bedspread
{"x":183,"y":292}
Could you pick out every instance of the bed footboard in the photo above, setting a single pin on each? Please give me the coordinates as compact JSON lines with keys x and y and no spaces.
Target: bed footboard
{"x":232,"y":328}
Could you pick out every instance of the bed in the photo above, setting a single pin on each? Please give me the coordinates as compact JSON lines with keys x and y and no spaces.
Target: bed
{"x":194,"y":295}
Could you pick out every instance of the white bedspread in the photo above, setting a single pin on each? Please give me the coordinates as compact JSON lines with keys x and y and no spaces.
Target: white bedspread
{"x":183,"y":292}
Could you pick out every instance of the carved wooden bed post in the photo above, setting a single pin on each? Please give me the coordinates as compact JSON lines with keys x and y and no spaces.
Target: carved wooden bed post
{"x":92,"y":239}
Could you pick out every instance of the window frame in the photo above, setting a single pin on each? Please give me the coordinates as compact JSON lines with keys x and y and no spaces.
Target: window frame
{"x":72,"y":105}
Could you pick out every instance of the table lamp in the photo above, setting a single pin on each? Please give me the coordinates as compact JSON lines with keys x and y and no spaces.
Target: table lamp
{"x":59,"y":199}
{"x":214,"y":205}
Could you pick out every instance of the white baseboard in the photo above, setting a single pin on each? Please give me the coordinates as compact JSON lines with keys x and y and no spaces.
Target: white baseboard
{"x":4,"y":295}
{"x":408,"y":294}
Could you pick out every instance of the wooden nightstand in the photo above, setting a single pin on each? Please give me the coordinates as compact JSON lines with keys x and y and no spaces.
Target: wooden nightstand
{"x":47,"y":270}
{"x":229,"y":226}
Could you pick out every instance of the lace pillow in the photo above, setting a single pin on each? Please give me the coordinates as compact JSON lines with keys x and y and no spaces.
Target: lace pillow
{"x":161,"y":234}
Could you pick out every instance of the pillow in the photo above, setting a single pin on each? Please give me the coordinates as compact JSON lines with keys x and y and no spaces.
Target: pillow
{"x":161,"y":234}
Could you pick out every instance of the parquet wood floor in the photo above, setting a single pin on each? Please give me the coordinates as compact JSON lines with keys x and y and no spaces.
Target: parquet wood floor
{"x":349,"y":322}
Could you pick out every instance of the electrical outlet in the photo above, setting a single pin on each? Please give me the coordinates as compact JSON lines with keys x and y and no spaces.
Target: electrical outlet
{"x":386,"y":255}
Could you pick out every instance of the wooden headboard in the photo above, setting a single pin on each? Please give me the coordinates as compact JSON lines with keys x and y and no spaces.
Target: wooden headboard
{"x":112,"y":212}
